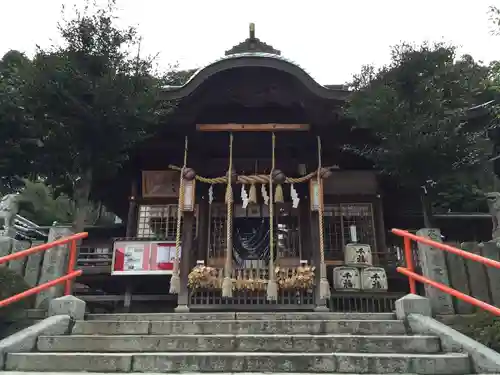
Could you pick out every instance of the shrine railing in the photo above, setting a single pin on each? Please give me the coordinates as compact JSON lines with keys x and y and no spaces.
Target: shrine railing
{"x":409,"y":270}
{"x":67,"y":279}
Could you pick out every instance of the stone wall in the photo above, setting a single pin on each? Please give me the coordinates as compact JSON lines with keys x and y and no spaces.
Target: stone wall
{"x":40,"y":267}
{"x":469,"y":277}
{"x":473,"y":278}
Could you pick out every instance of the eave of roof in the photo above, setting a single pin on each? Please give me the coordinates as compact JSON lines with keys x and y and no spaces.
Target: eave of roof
{"x":254,"y":59}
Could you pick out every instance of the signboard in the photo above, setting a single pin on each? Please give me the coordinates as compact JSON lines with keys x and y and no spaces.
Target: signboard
{"x":143,"y":258}
{"x":160,"y":184}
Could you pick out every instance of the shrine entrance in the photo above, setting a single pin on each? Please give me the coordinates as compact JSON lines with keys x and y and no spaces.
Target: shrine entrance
{"x":265,"y":239}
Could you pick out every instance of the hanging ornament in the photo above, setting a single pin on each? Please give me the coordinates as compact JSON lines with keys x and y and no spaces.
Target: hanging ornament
{"x":279,"y":178}
{"x":295,"y":196}
{"x":263,"y":191}
{"x":278,"y":195}
{"x":210,"y":194}
{"x":244,"y":196}
{"x":252,"y":194}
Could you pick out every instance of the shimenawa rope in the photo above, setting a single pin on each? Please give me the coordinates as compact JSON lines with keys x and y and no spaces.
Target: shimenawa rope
{"x":175,"y":281}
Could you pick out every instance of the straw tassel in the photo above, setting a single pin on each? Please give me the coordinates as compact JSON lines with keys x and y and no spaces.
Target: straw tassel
{"x":227,"y":283}
{"x":272,"y":286}
{"x":227,"y":287}
{"x":175,"y":281}
{"x":278,"y":197}
{"x":272,"y":289}
{"x":252,"y":194}
{"x":324,"y":285}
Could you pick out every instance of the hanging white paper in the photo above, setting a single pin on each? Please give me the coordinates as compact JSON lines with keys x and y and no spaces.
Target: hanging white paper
{"x":295,"y":196}
{"x":244,"y":196}
{"x":210,"y":194}
{"x":263,"y":191}
{"x":354,"y":234}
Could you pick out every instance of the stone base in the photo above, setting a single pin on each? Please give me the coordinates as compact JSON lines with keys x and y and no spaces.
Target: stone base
{"x":68,"y":305}
{"x":412,"y":304}
{"x":321,"y":309}
{"x":182,"y":309}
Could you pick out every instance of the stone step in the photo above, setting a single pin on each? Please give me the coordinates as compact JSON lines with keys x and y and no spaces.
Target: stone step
{"x":423,"y":364}
{"x":175,"y":373}
{"x":243,"y":343}
{"x":364,"y":327}
{"x":242,"y":316}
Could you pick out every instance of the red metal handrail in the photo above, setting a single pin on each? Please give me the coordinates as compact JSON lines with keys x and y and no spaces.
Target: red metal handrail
{"x":67,"y":279}
{"x":409,"y":270}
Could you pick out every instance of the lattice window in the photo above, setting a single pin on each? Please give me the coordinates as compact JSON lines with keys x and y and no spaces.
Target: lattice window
{"x":287,"y":231}
{"x":338,"y":220}
{"x":160,"y":222}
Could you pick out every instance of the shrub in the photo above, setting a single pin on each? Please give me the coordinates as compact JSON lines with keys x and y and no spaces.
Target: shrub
{"x":483,"y":327}
{"x":11,"y":283}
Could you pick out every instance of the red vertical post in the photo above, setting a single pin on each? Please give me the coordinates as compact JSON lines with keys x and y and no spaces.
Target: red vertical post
{"x":71,"y":266}
{"x":409,"y":264}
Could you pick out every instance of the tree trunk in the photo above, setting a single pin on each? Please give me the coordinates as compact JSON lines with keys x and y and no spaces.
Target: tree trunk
{"x":426,"y":211}
{"x":82,"y":196}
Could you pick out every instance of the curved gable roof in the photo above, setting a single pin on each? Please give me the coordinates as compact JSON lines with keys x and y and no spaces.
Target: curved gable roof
{"x":253,"y":59}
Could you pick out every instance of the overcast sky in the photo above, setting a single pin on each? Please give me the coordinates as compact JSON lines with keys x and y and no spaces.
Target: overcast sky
{"x":330,"y":39}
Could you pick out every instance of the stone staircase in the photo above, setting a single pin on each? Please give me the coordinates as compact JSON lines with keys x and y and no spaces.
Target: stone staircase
{"x":240,"y":342}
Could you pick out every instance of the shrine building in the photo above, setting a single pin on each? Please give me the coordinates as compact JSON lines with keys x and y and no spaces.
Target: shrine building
{"x":275,"y":213}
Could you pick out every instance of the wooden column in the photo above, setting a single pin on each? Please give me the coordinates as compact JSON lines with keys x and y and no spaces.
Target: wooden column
{"x":186,"y":251}
{"x":132,"y":211}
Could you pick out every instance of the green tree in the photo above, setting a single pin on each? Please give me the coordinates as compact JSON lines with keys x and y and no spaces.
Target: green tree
{"x":39,"y":204}
{"x":17,"y":132}
{"x":94,"y":97}
{"x":415,"y":108}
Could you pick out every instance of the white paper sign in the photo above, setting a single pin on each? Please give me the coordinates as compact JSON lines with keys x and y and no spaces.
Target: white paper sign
{"x":133,"y":258}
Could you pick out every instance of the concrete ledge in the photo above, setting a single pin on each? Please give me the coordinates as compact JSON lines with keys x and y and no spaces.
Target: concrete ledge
{"x":26,"y":339}
{"x":484,"y":360}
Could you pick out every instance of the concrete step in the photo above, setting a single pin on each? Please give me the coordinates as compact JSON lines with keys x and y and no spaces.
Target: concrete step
{"x":241,"y":316}
{"x":363,"y":327}
{"x":423,"y":364}
{"x":240,"y":343}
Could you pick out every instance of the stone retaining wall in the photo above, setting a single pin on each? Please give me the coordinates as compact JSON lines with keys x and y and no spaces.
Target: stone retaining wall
{"x":40,"y":267}
{"x":469,"y":277}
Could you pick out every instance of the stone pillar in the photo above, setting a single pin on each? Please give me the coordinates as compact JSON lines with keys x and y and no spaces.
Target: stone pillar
{"x":433,"y":264}
{"x":33,"y":266}
{"x":186,"y":253}
{"x":19,"y":264}
{"x":459,"y":280}
{"x":5,"y":247}
{"x":491,"y":249}
{"x":478,"y":278}
{"x":55,"y":263}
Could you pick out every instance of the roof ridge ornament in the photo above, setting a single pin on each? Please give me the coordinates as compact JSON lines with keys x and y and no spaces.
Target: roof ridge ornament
{"x":252,"y":45}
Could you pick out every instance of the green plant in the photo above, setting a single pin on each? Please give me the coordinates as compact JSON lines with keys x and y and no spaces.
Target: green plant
{"x":11,"y":283}
{"x":482,"y":327}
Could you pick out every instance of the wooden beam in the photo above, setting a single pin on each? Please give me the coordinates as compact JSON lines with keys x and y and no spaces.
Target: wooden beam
{"x":251,"y":127}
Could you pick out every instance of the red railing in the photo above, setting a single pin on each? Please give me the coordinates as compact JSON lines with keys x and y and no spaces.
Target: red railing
{"x":409,"y":271}
{"x":71,"y":273}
